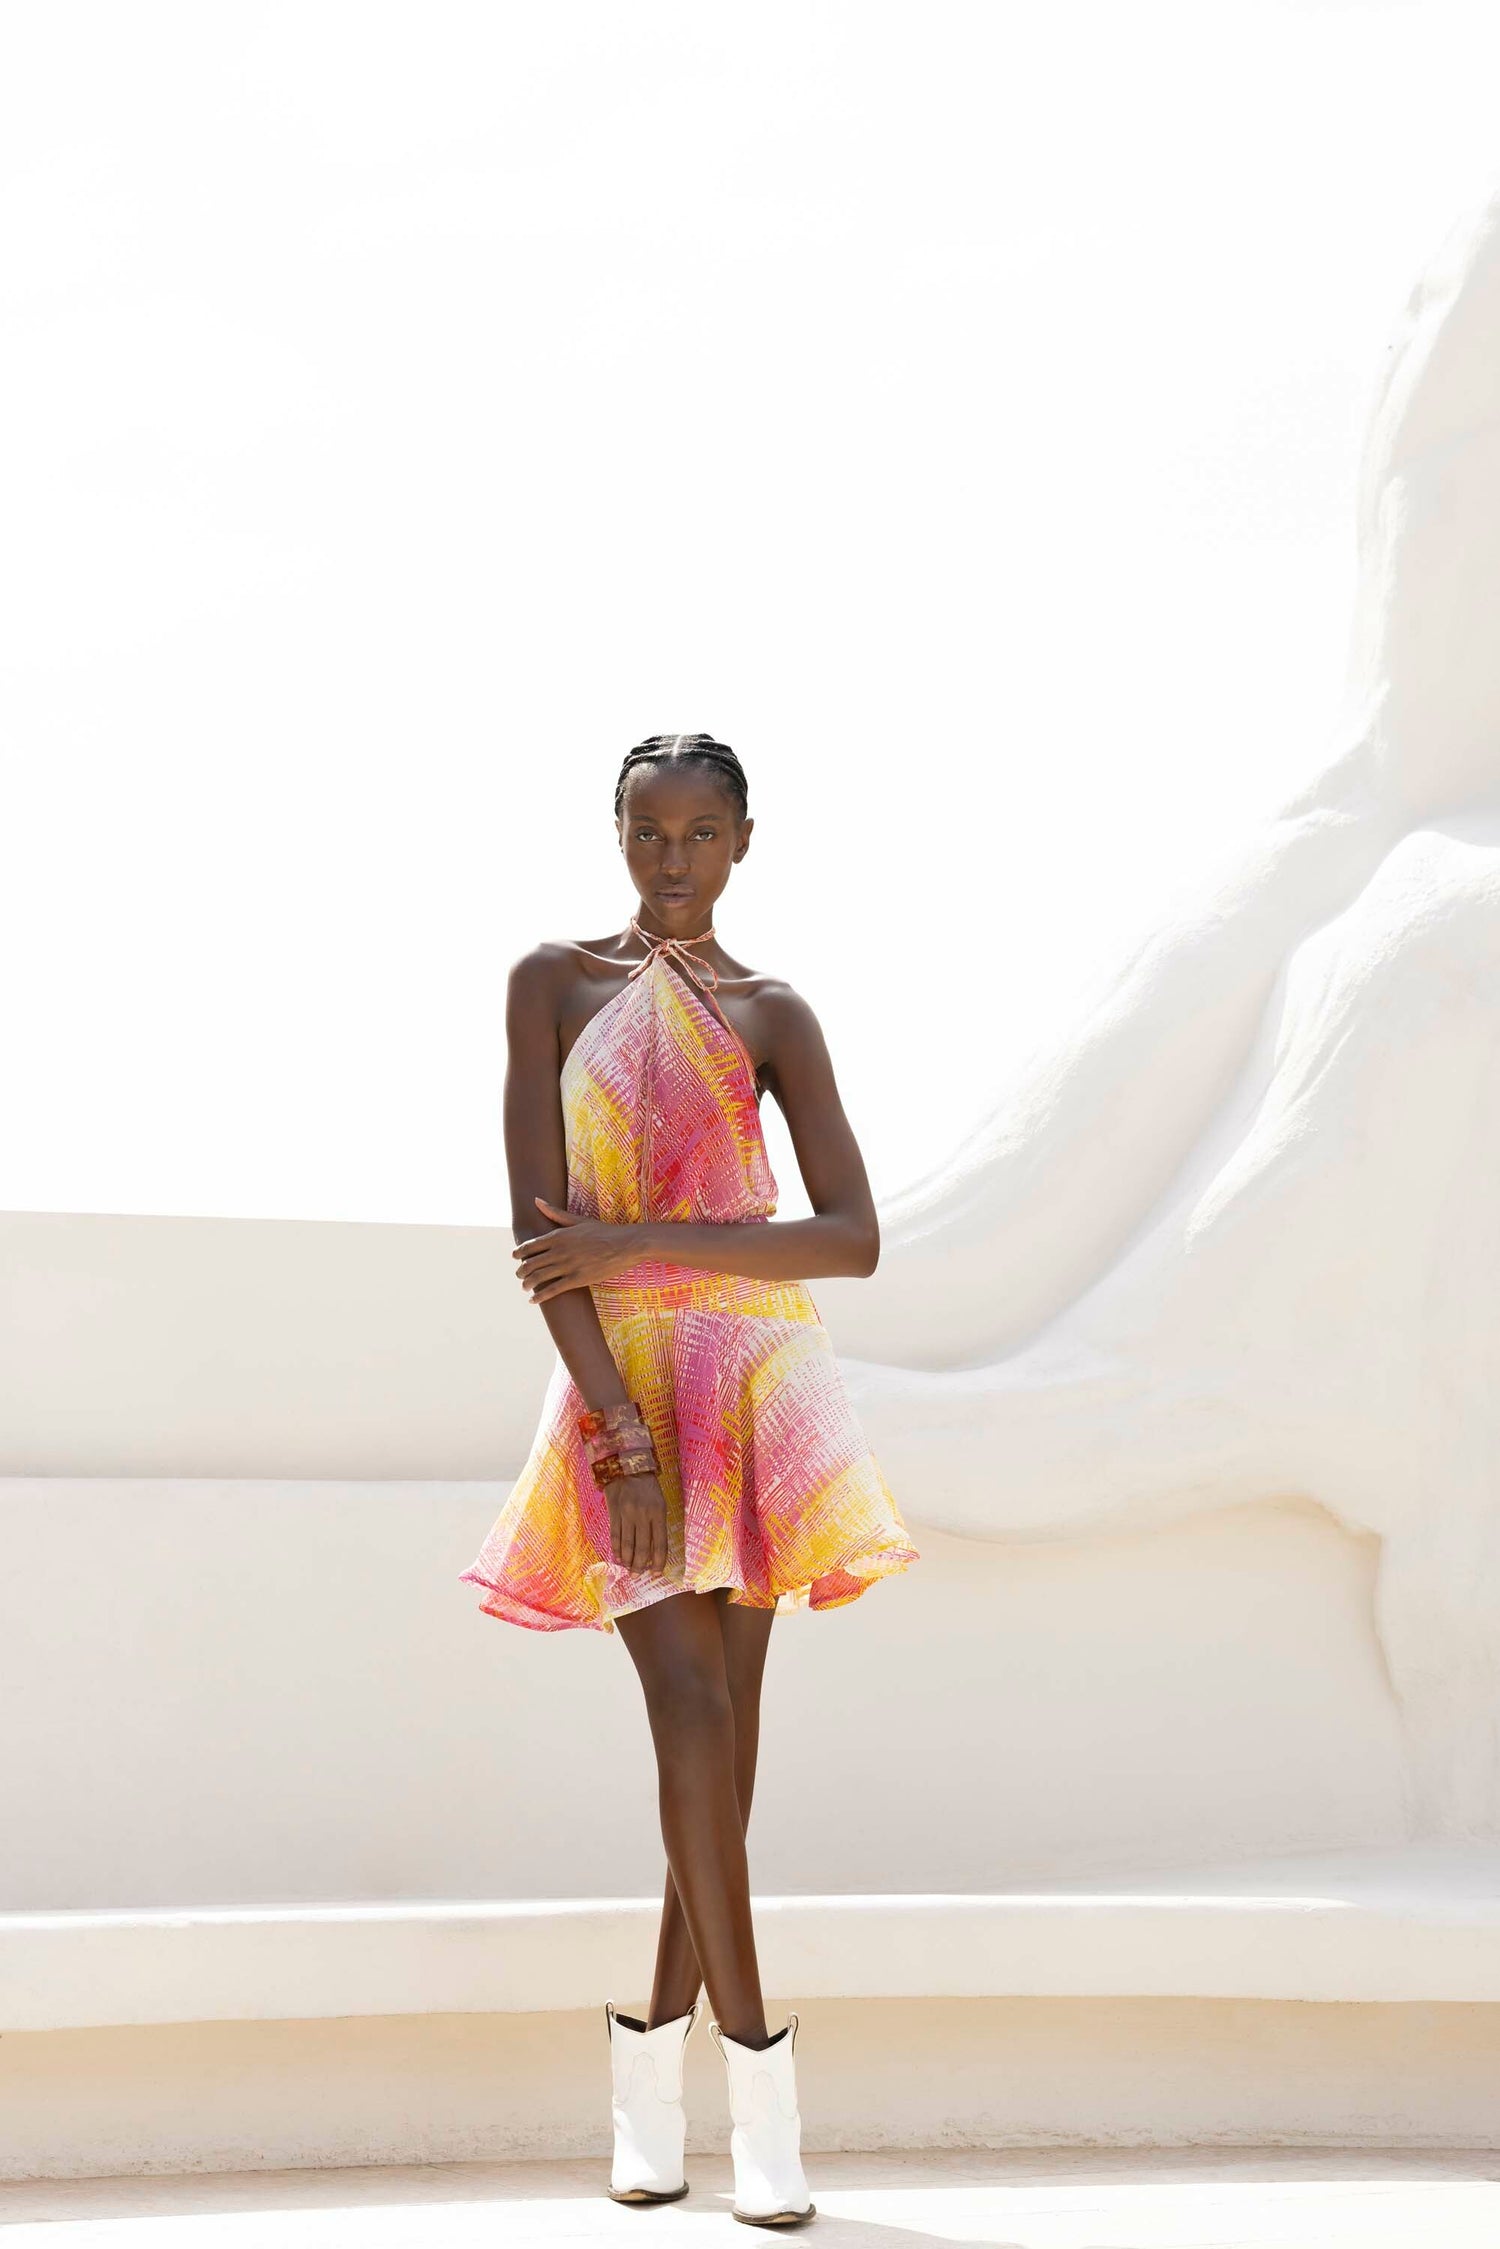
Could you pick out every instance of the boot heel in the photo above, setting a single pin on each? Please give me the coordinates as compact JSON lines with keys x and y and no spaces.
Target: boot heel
{"x":766,"y":2141}
{"x":646,"y":2106}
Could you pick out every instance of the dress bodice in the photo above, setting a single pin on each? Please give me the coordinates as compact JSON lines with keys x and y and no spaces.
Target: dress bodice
{"x":660,"y":1108}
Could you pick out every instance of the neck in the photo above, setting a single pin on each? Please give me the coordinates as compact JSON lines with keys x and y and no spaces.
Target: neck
{"x":682,"y":936}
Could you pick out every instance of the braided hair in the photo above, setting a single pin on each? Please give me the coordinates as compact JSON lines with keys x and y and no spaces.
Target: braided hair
{"x":676,"y":749}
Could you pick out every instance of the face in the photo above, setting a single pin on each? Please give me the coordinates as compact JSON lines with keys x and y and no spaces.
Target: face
{"x":680,"y":838}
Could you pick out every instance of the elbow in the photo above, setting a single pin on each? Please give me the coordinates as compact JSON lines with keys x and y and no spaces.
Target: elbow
{"x":850,"y":1247}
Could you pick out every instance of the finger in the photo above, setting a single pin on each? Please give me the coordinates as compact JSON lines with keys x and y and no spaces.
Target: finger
{"x":535,"y":1246}
{"x":542,"y":1276}
{"x":551,"y":1259}
{"x":531,"y":1282}
{"x":536,"y":1290}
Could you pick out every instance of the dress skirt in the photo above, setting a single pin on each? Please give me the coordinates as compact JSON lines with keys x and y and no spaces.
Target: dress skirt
{"x":770,"y":1487}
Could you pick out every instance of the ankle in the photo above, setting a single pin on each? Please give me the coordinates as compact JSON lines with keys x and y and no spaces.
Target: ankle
{"x":758,"y":2039}
{"x":656,"y":2016}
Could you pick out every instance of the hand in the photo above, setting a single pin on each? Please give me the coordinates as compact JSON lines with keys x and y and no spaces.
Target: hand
{"x":581,"y":1250}
{"x":637,"y":1523}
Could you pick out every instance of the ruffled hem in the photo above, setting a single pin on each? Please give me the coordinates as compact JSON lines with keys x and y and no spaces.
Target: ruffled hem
{"x":771,"y":1490}
{"x":833,"y":1588}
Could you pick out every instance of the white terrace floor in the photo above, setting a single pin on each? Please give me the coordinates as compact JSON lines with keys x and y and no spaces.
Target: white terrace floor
{"x":1015,"y":2199}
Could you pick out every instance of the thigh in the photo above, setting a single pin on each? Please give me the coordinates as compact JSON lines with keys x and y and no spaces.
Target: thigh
{"x":677,"y":1646}
{"x":747,"y":1638}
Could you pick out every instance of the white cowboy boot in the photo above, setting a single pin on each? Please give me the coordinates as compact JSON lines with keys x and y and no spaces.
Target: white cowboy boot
{"x":766,"y":2142}
{"x":646,"y":2085}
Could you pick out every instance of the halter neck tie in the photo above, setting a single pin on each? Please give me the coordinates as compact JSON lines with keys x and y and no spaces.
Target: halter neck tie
{"x":703,"y":973}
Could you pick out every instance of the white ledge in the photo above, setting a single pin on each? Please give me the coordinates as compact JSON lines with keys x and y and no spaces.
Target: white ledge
{"x":1415,"y":1924}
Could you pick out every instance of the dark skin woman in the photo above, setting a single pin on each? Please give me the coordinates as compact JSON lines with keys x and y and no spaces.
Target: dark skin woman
{"x":700,"y":1657}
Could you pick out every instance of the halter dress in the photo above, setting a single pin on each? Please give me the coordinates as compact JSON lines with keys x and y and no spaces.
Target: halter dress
{"x":770,"y":1487}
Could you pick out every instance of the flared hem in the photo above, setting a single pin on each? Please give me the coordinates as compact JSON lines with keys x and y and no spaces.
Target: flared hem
{"x":833,"y":1588}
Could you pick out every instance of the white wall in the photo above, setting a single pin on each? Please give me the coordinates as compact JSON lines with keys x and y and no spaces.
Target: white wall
{"x":892,"y":2074}
{"x":233,"y":1692}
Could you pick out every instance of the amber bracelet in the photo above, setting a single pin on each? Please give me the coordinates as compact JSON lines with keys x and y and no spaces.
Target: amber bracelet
{"x":642,"y":1461}
{"x":600,"y":1418}
{"x":605,"y":1432}
{"x":618,"y":1442}
{"x":609,"y":1471}
{"x":610,"y":1440}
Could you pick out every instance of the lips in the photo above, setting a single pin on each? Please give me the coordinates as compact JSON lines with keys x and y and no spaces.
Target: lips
{"x":674,"y":897}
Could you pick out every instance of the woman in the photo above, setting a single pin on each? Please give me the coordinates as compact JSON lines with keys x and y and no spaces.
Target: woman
{"x":698,"y":1465}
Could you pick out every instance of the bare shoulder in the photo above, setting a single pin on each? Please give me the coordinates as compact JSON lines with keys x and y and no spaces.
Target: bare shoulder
{"x":550,"y":966}
{"x":783,"y":1007}
{"x":539,"y":973}
{"x":786,"y":1027}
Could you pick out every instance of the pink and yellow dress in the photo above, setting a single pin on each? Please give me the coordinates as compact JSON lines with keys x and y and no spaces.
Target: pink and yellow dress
{"x":770,"y":1487}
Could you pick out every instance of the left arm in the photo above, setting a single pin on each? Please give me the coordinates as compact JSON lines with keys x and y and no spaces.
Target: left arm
{"x":842,"y":1237}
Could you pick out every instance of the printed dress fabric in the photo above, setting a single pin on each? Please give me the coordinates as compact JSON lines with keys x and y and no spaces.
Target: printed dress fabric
{"x":770,"y":1487}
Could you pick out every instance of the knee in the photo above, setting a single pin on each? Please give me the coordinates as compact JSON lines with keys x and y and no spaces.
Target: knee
{"x":693,"y":1704}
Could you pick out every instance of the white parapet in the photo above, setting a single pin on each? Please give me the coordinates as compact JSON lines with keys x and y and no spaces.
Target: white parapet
{"x":1414,"y":1925}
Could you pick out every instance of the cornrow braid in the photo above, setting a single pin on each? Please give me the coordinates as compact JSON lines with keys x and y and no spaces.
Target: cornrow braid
{"x":675,"y":749}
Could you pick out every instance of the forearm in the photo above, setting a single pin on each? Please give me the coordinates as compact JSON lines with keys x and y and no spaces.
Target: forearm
{"x":776,"y":1249}
{"x":580,"y":1339}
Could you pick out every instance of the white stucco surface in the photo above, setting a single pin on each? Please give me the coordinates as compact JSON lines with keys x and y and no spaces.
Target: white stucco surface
{"x":1400,"y":1926}
{"x":1241,"y":1235}
{"x":237,"y":1692}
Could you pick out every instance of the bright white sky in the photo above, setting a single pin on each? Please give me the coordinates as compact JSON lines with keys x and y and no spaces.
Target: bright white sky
{"x":407,"y":408}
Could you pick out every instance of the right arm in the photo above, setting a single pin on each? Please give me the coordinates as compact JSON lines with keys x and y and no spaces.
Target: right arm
{"x":537,"y":1163}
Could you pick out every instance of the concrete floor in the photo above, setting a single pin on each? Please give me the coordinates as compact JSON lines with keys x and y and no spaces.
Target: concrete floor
{"x":1014,"y":2199}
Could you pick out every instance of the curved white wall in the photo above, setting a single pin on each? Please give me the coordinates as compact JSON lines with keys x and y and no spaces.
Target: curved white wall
{"x":1242,"y":1234}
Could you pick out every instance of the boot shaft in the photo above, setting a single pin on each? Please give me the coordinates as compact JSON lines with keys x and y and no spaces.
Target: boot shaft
{"x":762,"y":2079}
{"x":766,"y":2140}
{"x":643,"y":2060}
